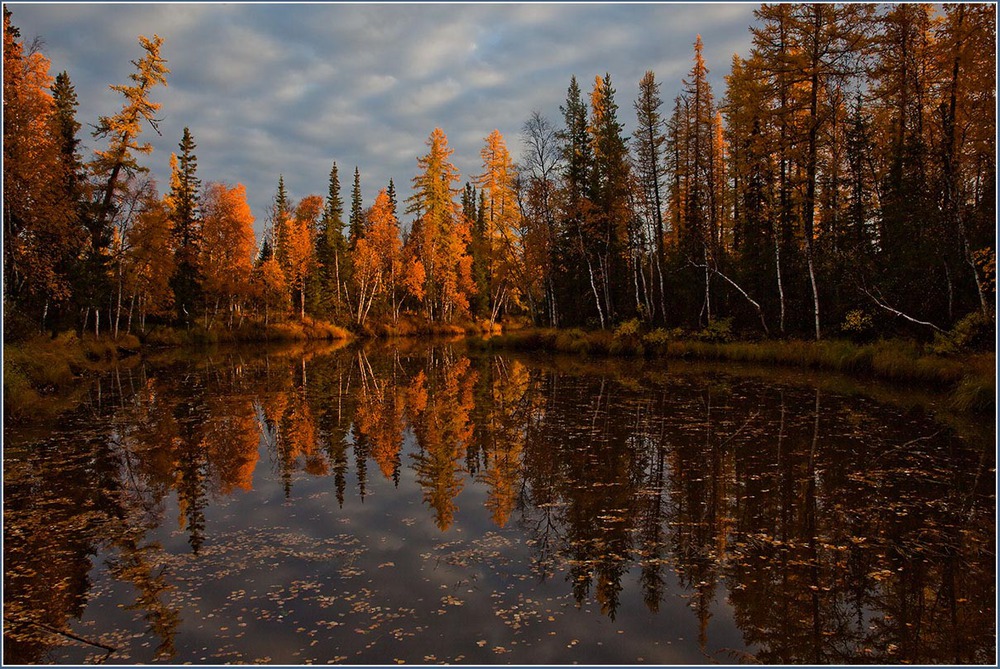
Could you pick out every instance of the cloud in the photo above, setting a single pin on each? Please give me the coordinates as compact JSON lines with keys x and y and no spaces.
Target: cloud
{"x":288,"y":89}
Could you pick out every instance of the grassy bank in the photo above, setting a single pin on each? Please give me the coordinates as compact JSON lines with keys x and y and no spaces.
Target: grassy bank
{"x":968,"y":378}
{"x":41,"y":375}
{"x":248,"y":332}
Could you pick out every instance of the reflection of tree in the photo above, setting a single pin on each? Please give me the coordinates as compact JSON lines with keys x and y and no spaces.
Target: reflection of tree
{"x":500,"y":436}
{"x":50,"y":532}
{"x":847,"y":547}
{"x":835,"y":546}
{"x":379,"y":417}
{"x":289,"y":428}
{"x":652,"y":511}
{"x":699,"y":466}
{"x":63,"y":504}
{"x":439,"y":405}
{"x":838,"y":537}
{"x":137,"y":564}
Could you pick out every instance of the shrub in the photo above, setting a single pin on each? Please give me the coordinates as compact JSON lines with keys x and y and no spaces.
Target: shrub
{"x":718,"y":331}
{"x":975,"y":332}
{"x":627,"y":339}
{"x":858,"y":325}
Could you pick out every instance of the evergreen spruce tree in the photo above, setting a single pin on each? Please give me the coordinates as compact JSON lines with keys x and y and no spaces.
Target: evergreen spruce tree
{"x":393,"y":203}
{"x":186,"y":281}
{"x":356,"y":221}
{"x":331,"y":252}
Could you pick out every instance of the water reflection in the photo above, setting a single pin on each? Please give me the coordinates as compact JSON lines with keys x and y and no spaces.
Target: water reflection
{"x":834,"y":529}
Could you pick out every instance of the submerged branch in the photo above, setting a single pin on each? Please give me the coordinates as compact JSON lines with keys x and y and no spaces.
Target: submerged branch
{"x":69,"y":635}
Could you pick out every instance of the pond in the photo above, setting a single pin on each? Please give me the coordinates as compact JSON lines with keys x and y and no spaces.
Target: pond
{"x":424,"y":503}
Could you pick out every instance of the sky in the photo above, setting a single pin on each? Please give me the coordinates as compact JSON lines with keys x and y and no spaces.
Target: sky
{"x":269,"y":89}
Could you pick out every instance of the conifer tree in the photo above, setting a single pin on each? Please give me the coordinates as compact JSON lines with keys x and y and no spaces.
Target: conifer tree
{"x":502,"y":218}
{"x":391,"y":193}
{"x":356,"y":221}
{"x":649,"y":145}
{"x":574,"y":253}
{"x":331,"y":250}
{"x":611,"y":221}
{"x":123,"y":129}
{"x":440,"y":235}
{"x":186,"y":231}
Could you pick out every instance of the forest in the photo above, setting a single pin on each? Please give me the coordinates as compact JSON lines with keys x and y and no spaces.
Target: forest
{"x":841,"y":186}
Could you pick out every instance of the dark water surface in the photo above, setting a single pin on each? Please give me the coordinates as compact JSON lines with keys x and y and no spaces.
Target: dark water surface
{"x":423,"y":504}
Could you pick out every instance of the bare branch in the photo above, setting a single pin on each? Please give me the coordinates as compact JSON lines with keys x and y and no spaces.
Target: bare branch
{"x":900,"y":313}
{"x":760,"y":312}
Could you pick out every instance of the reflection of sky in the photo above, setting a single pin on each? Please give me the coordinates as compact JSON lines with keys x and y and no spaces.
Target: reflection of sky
{"x":303,"y":579}
{"x":393,"y":525}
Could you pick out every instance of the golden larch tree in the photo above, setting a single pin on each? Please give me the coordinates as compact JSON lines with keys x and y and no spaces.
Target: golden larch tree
{"x":503,"y":222}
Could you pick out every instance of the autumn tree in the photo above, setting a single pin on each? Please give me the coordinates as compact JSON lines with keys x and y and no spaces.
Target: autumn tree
{"x":440,"y":234}
{"x":42,"y":235}
{"x":270,"y":286}
{"x":124,"y":128}
{"x":298,"y":234}
{"x":378,"y":260}
{"x":824,"y":46}
{"x":967,"y":148}
{"x":501,"y":236}
{"x":150,"y":261}
{"x":227,"y":248}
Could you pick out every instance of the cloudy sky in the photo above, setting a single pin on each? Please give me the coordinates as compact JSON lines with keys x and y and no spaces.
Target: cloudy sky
{"x":289,"y":89}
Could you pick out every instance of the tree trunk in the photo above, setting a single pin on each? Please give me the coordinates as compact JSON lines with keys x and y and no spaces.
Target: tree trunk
{"x":131,"y":306}
{"x":708,"y":294}
{"x":811,"y":162}
{"x":597,"y":298}
{"x":118,"y":308}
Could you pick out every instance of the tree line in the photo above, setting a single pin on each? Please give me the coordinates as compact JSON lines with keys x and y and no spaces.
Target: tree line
{"x":844,"y":183}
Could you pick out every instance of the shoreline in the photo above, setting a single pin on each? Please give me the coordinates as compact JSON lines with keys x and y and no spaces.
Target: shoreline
{"x":43,"y":376}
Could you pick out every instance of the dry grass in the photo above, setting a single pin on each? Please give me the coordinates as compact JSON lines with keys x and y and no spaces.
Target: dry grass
{"x":969,"y":378}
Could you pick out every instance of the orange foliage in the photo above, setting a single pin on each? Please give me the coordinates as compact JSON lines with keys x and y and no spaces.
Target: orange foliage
{"x":40,"y":224}
{"x":444,"y":431}
{"x":150,"y":262}
{"x":441,"y":235}
{"x":227,"y":243}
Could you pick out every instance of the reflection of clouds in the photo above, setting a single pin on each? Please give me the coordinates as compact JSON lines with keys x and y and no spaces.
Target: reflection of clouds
{"x":718,"y":503}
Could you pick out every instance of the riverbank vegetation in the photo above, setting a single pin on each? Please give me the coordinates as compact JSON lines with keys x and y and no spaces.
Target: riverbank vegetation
{"x":841,"y":186}
{"x":967,"y":377}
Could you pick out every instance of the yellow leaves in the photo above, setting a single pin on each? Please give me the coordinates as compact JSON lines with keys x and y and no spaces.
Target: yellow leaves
{"x":227,"y":240}
{"x":150,"y":258}
{"x":440,"y":237}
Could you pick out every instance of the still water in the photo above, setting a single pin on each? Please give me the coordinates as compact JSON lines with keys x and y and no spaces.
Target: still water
{"x":422,"y":503}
